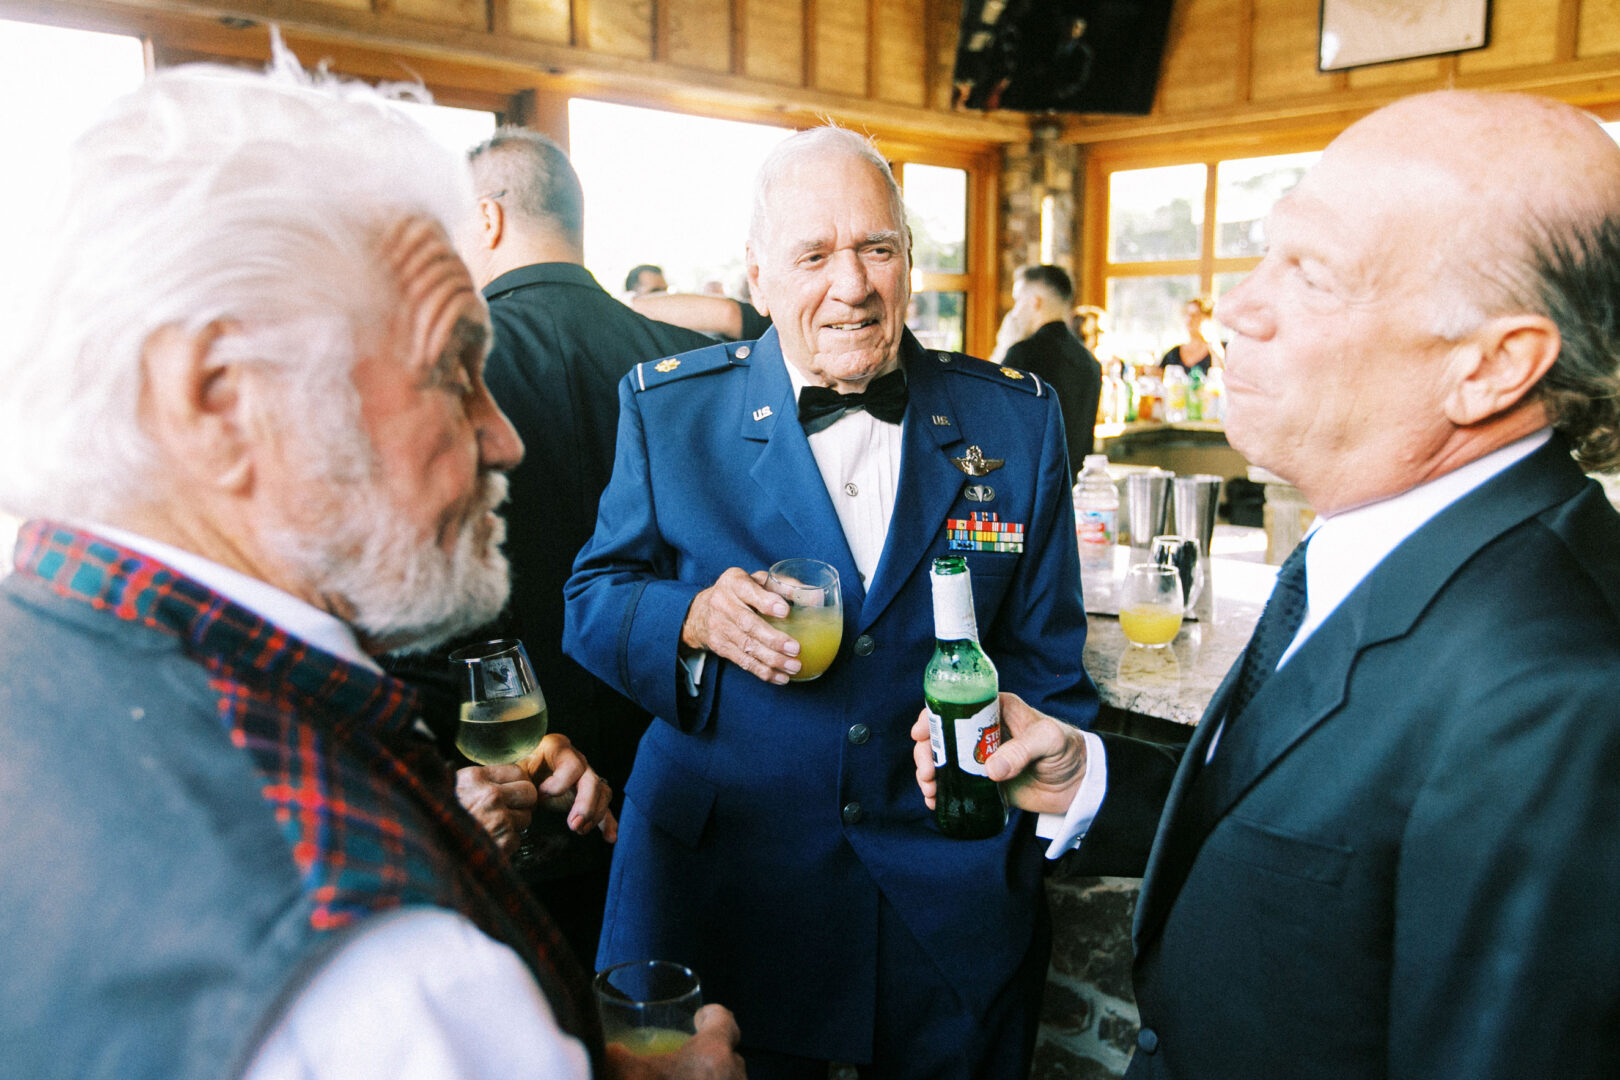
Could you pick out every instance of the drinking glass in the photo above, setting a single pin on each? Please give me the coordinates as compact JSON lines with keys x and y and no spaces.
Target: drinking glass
{"x":1187,"y":556}
{"x":648,"y":1006}
{"x":1150,"y":607}
{"x":503,"y":712}
{"x":815,"y":617}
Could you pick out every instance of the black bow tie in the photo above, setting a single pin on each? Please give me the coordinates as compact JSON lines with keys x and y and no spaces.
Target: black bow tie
{"x":885,"y":399}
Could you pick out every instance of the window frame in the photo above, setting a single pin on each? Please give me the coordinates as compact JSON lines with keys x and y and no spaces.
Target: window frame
{"x":1101,"y":165}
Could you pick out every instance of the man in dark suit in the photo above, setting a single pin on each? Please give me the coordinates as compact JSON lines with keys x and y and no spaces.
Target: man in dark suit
{"x":771,"y":837}
{"x":1393,"y":855}
{"x":561,"y":346}
{"x":1042,"y":298}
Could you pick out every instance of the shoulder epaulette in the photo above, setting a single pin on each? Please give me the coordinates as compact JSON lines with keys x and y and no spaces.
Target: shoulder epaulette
{"x":651,"y":373}
{"x":1016,"y":378}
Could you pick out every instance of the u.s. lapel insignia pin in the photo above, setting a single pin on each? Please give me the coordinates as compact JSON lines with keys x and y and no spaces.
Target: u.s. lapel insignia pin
{"x":941,"y":421}
{"x":974,"y":463}
{"x":762,"y":412}
{"x":666,"y":366}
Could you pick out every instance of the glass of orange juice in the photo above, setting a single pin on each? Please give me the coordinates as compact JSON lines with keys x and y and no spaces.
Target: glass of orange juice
{"x":1150,"y":606}
{"x":648,"y":1006}
{"x":815,"y":617}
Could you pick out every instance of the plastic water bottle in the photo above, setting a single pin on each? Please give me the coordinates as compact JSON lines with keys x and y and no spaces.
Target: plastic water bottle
{"x":1096,"y":514}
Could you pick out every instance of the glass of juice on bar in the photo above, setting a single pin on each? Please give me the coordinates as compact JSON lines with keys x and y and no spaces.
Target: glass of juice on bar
{"x":648,"y":1006}
{"x":1150,"y":606}
{"x":815,"y":617}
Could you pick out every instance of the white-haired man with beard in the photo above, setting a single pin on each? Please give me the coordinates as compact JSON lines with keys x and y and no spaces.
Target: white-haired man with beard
{"x":250,"y":426}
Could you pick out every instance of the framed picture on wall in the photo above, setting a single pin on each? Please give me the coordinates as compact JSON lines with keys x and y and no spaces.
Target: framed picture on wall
{"x":1360,"y":32}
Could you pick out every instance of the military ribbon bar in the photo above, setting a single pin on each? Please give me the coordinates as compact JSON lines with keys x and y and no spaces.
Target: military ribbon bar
{"x":984,"y":532}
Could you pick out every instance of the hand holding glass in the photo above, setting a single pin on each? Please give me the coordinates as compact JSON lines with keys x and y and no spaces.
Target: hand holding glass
{"x":815,"y":617}
{"x":1151,"y":607}
{"x":503,"y":712}
{"x":648,"y":1006}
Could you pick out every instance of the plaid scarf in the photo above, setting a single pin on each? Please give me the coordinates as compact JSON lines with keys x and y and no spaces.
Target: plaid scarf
{"x":366,"y":805}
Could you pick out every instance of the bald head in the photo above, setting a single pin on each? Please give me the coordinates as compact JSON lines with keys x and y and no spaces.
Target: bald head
{"x":1440,"y":284}
{"x":1502,"y":172}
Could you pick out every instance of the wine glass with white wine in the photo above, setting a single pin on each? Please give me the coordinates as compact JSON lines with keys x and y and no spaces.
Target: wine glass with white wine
{"x":503,"y":712}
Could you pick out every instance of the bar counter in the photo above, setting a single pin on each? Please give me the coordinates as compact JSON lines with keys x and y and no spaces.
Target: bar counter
{"x":1175,"y":683}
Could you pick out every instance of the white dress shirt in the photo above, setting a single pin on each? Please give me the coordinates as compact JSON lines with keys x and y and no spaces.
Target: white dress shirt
{"x":859,"y":459}
{"x":1344,"y":549}
{"x":419,"y":994}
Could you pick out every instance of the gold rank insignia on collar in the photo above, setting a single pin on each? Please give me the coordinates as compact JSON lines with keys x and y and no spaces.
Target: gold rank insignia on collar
{"x":974,"y":463}
{"x":669,"y":365}
{"x":1012,"y":373}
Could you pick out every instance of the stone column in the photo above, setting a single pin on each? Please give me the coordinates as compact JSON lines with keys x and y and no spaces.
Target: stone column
{"x":1029,"y":173}
{"x":1089,"y":1017}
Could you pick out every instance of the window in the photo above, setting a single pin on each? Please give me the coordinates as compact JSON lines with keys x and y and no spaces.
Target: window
{"x":55,"y":82}
{"x":455,"y":129}
{"x":937,"y":211}
{"x":668,"y":189}
{"x":1177,"y":232}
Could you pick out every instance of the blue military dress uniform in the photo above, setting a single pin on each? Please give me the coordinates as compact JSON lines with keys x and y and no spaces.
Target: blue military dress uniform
{"x":765,"y":825}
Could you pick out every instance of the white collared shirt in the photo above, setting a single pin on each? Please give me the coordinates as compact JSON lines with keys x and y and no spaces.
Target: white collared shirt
{"x":1344,"y":549}
{"x":419,"y":995}
{"x":303,"y":621}
{"x":859,"y":459}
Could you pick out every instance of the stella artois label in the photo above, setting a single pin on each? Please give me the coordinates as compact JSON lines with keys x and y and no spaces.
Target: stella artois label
{"x":977,"y":737}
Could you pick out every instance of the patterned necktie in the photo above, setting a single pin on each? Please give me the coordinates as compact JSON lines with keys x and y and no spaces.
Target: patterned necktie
{"x":1280,"y":621}
{"x":821,"y":406}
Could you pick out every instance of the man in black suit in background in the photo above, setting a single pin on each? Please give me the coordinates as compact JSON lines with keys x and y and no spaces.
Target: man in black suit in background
{"x":1388,"y":852}
{"x":1042,"y":297}
{"x":562,"y":344}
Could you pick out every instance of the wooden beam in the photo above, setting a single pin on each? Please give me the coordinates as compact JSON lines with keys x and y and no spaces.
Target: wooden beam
{"x":580,"y":38}
{"x":739,"y":35}
{"x":1569,"y":29}
{"x":807,"y":78}
{"x":509,"y":64}
{"x":1244,"y":69}
{"x":871,"y":48}
{"x":1580,"y":82}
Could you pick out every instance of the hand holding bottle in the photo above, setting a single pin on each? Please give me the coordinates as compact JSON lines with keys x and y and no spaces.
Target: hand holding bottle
{"x":1040,"y":763}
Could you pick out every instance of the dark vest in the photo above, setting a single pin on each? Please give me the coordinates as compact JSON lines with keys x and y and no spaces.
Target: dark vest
{"x":195,"y":811}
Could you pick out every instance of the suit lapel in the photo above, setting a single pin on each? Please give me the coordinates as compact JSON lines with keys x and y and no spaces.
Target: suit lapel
{"x":929,"y":482}
{"x":1308,"y":689}
{"x":786,"y":475}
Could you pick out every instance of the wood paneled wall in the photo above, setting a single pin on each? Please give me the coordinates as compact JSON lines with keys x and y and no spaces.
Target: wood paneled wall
{"x":882,"y":64}
{"x":1246,"y":70}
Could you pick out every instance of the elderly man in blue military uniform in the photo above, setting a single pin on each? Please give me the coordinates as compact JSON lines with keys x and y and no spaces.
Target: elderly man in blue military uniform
{"x":772,"y":836}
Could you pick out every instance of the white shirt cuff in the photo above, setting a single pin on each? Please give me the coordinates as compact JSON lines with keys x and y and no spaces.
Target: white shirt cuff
{"x":692,"y":671}
{"x":1066,"y":832}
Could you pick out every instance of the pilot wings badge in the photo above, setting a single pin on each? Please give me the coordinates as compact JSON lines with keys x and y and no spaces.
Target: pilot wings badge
{"x":974,"y":463}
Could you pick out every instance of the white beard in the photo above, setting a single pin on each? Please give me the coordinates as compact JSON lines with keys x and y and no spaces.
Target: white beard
{"x":397,"y":588}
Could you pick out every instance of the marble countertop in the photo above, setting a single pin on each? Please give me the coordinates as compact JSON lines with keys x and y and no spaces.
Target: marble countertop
{"x":1175,"y":683}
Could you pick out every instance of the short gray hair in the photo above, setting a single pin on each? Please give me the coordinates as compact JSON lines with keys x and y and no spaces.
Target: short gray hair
{"x":786,"y":159}
{"x":539,"y":181}
{"x":209,"y":195}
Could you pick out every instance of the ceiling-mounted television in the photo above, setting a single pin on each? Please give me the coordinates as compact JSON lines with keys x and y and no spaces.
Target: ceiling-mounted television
{"x":1090,"y":56}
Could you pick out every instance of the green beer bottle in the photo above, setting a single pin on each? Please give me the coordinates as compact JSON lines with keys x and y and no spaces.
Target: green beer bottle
{"x":964,"y":715}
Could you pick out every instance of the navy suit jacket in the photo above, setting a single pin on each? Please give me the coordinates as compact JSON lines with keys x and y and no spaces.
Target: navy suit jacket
{"x":1401,"y":861}
{"x":1062,"y":360}
{"x":762,"y":821}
